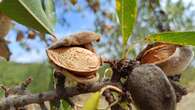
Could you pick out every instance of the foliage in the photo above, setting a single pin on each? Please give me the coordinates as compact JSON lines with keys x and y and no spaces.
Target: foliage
{"x":40,"y":15}
{"x":127,"y":11}
{"x":29,"y":13}
{"x":14,"y":73}
{"x":180,"y":15}
{"x":92,"y":102}
{"x":188,"y":77}
{"x":65,"y":105}
{"x":49,"y":8}
{"x":182,"y":38}
{"x":105,"y":22}
{"x":4,"y":53}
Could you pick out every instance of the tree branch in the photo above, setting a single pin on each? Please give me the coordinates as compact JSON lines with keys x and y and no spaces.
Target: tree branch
{"x":180,"y":91}
{"x":23,"y":100}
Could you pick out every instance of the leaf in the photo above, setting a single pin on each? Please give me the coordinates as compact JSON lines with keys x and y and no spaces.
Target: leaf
{"x":127,"y":12}
{"x":4,"y":50}
{"x":92,"y":102}
{"x":50,"y":11}
{"x":181,"y":38}
{"x":27,"y":12}
{"x":108,"y":72}
{"x":31,"y":34}
{"x":125,"y":105}
{"x":5,"y":25}
{"x":95,"y":6}
{"x":73,"y":2}
{"x":65,"y":105}
{"x":118,"y":9}
{"x":20,"y":36}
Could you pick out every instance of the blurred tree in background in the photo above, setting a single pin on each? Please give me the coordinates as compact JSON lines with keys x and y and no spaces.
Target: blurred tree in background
{"x":100,"y":16}
{"x":23,"y":44}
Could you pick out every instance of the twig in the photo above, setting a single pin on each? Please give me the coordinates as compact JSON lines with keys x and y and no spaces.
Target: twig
{"x":180,"y":91}
{"x":5,"y":89}
{"x":43,"y":106}
{"x":160,"y":16}
{"x":17,"y":90}
{"x":121,"y":68}
{"x":60,"y":86}
{"x":23,"y":100}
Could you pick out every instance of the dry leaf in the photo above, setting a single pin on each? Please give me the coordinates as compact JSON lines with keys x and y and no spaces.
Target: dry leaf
{"x":5,"y":25}
{"x":107,"y":14}
{"x":4,"y":50}
{"x":31,"y":34}
{"x":20,"y":36}
{"x":95,"y":6}
{"x":73,"y":1}
{"x":42,"y":36}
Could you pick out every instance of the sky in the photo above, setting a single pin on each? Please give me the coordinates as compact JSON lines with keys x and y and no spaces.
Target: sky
{"x":77,"y":22}
{"x":83,"y":21}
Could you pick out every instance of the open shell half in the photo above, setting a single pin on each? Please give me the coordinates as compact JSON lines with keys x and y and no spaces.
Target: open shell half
{"x":77,"y":61}
{"x":172,"y":59}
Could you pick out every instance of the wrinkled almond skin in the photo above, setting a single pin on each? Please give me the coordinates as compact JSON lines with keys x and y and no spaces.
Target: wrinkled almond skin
{"x":150,"y":89}
{"x":77,"y":60}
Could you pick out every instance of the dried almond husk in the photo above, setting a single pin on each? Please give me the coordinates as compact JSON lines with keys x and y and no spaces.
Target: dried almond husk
{"x":172,"y":59}
{"x":158,"y":53}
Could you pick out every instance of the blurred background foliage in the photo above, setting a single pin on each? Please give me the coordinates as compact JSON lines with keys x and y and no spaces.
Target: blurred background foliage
{"x":100,"y":16}
{"x":14,"y":73}
{"x":25,"y":48}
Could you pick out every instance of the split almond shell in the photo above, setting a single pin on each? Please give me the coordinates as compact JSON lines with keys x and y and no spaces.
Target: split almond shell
{"x":158,"y":54}
{"x":78,"y":60}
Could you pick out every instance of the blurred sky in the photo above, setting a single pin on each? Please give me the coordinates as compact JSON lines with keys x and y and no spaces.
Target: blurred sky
{"x":77,"y":21}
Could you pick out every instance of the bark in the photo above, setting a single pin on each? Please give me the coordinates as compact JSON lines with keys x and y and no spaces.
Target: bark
{"x":22,"y":100}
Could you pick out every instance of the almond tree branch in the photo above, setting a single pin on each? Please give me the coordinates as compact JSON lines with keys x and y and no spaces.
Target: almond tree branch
{"x":23,"y":100}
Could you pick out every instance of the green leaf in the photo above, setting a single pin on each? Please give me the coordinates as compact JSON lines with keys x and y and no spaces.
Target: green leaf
{"x":50,"y":10}
{"x":29,"y":13}
{"x":127,"y":12}
{"x":181,"y":38}
{"x":65,"y":105}
{"x":124,"y":105}
{"x":92,"y":102}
